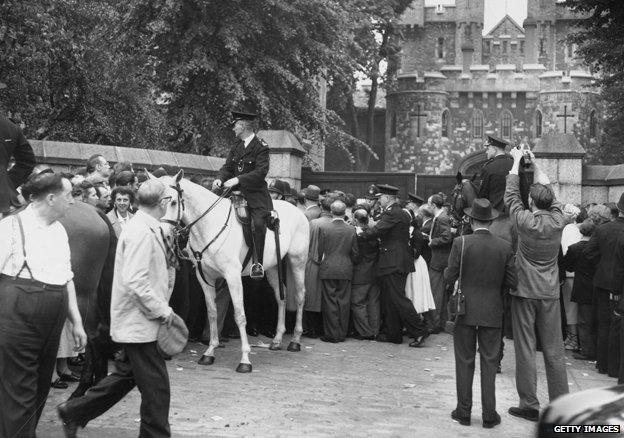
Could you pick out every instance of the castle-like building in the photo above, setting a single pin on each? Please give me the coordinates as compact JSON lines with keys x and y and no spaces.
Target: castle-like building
{"x":454,"y":85}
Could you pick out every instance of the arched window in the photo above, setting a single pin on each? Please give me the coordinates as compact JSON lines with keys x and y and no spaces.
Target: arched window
{"x":446,"y":123}
{"x":393,"y":125}
{"x":440,"y":48}
{"x":593,"y":124}
{"x":477,"y":124}
{"x":506,"y":125}
{"x":538,"y":123}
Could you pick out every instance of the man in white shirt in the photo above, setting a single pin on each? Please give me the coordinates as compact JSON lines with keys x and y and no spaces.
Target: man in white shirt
{"x":139,"y":305}
{"x":37,"y":294}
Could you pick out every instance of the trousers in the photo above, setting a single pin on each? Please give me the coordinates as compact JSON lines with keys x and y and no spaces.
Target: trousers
{"x":365,"y":308}
{"x":31,"y":319}
{"x":527,"y":314}
{"x":141,"y":365}
{"x":397,"y":310}
{"x":335,"y":299}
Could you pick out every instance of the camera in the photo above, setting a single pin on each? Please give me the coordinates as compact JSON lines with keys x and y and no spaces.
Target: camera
{"x":526,"y":161}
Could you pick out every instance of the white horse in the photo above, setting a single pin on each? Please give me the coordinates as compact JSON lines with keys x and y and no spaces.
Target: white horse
{"x":218,"y":238}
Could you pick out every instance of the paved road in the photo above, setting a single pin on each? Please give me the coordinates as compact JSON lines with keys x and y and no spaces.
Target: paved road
{"x":351,"y":389}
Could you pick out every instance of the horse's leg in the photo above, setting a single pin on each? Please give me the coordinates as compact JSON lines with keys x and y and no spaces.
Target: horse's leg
{"x":236,"y":293}
{"x":208,"y":357}
{"x":297,"y":264}
{"x":273,"y":279}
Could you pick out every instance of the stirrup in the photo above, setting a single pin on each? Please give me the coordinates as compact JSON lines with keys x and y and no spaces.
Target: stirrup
{"x":257,"y":271}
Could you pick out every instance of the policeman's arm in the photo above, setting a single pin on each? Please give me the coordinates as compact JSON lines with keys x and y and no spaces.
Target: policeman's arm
{"x":385,"y":224}
{"x":24,"y":160}
{"x":484,"y":189}
{"x":227,"y":170}
{"x":259,"y":173}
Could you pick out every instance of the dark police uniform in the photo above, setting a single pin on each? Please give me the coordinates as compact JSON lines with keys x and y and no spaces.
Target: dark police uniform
{"x":395,"y":262}
{"x":250,"y":165}
{"x":493,"y":180}
{"x":14,"y":144}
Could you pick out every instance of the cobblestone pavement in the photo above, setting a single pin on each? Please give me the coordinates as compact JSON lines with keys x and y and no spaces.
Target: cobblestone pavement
{"x":351,"y":389}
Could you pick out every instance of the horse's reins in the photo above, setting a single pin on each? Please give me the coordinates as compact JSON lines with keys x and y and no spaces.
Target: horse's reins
{"x":184,"y":232}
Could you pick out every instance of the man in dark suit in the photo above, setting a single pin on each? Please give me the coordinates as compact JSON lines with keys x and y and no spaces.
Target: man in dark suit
{"x":440,"y":240}
{"x":338,"y":250}
{"x":15,"y":145}
{"x":395,"y":262}
{"x":247,"y":166}
{"x":487,"y":270}
{"x":494,"y":172}
{"x":602,"y":251}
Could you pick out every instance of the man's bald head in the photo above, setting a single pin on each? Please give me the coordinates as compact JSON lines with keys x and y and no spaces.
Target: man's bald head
{"x":338,"y":208}
{"x":150,"y":192}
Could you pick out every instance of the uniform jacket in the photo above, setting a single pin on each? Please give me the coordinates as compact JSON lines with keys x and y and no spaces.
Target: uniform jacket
{"x":250,"y":165}
{"x":602,"y":251}
{"x":365,"y":269}
{"x":493,"y":180}
{"x":487,"y":272}
{"x":539,"y":241}
{"x":575,"y":261}
{"x":14,"y":145}
{"x":140,"y":294}
{"x":395,"y":255}
{"x":114,"y":220}
{"x":440,"y":244}
{"x":338,"y":250}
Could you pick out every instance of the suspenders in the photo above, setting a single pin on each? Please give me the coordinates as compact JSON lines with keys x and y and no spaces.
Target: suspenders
{"x":25,"y":264}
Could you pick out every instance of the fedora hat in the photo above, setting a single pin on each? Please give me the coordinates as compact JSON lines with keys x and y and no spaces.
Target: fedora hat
{"x":312,"y":193}
{"x":172,"y":340}
{"x":481,"y":210}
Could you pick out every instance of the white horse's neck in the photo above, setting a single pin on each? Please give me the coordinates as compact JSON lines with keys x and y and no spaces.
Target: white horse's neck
{"x":197,"y":200}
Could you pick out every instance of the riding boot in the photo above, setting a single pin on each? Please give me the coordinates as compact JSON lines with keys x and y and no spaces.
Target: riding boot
{"x":259,"y":233}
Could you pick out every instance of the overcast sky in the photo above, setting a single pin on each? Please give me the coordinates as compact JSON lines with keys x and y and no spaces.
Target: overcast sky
{"x":495,"y":10}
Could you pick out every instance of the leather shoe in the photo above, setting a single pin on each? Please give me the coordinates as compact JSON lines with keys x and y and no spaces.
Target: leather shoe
{"x":69,"y":377}
{"x":581,"y":356}
{"x":382,"y":337}
{"x":363,"y":338}
{"x":419,"y":340}
{"x":526,"y":413}
{"x":332,"y":340}
{"x":70,"y":427}
{"x":436,"y":330}
{"x":464,"y":421}
{"x":58,"y":384}
{"x":488,"y":424}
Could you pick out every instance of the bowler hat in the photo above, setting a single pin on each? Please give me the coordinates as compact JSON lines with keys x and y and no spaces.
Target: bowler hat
{"x":620,"y":204}
{"x":172,"y":340}
{"x":497,"y":142}
{"x":481,"y":210}
{"x":385,"y":189}
{"x":312,"y":192}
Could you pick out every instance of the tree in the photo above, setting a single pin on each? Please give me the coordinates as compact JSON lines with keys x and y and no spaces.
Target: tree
{"x":600,"y":41}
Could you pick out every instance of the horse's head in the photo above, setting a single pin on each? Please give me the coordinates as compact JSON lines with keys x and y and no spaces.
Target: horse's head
{"x":463,"y":194}
{"x":174,"y":215}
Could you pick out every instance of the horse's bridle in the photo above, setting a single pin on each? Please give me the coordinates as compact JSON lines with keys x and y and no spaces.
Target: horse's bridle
{"x":181,"y":232}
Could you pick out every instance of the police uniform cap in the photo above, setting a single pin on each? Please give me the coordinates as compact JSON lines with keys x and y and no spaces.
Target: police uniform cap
{"x":385,"y":189}
{"x":497,"y":142}
{"x":415,"y":198}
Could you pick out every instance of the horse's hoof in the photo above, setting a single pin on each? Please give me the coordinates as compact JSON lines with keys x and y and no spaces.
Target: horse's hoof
{"x":243,"y":368}
{"x":206,"y":360}
{"x":275,"y":346}
{"x":294,"y":346}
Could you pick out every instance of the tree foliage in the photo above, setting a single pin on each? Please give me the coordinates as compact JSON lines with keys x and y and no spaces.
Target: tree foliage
{"x":600,"y":41}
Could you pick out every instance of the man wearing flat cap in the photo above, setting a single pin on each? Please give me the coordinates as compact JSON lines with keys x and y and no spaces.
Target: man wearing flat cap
{"x":486,"y":265}
{"x":247,"y":166}
{"x":395,"y":262}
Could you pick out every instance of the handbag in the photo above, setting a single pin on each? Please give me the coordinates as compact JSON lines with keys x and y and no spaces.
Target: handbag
{"x":457,"y":302}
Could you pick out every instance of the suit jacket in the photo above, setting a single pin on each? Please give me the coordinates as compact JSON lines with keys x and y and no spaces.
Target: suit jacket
{"x":15,"y":145}
{"x":493,"y":180}
{"x":250,"y":165}
{"x":488,"y":271}
{"x":395,"y":255}
{"x":575,"y":261}
{"x":602,"y":251}
{"x":338,"y":250}
{"x":312,"y":281}
{"x":539,"y":241}
{"x":114,"y":221}
{"x":365,"y":268}
{"x":440,"y":244}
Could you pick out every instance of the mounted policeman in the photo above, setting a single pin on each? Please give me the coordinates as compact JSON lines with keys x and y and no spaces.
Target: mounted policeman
{"x":246,"y":168}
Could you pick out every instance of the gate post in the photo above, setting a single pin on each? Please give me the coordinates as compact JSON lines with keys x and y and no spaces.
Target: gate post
{"x":286,"y":156}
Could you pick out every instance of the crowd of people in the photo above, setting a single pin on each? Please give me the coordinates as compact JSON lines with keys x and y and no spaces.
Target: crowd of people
{"x":379,"y":268}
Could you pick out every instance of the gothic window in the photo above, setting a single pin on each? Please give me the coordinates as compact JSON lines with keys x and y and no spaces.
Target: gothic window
{"x":521,"y":47}
{"x":440,"y":48}
{"x":504,"y":46}
{"x":538,"y":123}
{"x":542,"y":47}
{"x":506,"y":125}
{"x":593,"y":124}
{"x":477,"y":124}
{"x":446,"y":123}
{"x":393,"y":125}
